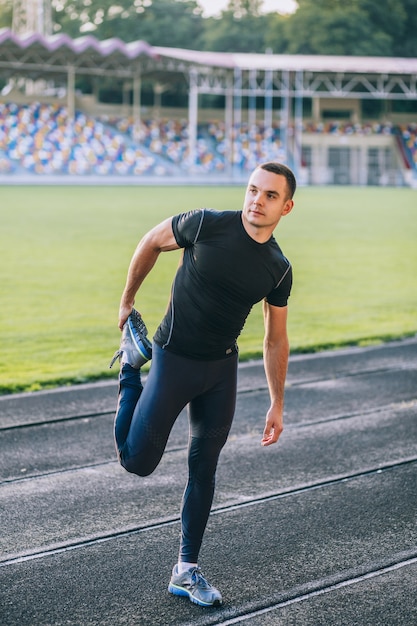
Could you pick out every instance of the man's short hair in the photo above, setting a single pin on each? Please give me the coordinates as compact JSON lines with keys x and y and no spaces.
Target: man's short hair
{"x":282,"y":170}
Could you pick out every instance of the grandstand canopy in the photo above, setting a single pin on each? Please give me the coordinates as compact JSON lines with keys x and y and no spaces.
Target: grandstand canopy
{"x":36,"y":56}
{"x":234,"y":76}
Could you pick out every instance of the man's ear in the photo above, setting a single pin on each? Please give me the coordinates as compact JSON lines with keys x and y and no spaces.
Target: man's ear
{"x":288,"y":207}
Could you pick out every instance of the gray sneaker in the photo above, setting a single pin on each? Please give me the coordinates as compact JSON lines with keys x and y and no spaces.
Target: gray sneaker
{"x":192,"y":583}
{"x":135,"y":347}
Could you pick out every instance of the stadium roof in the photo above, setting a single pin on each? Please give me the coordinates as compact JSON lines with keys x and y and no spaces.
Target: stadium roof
{"x":308,"y":63}
{"x":34,"y":54}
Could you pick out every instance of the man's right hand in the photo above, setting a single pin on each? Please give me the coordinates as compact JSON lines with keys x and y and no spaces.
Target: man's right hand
{"x":124,"y":312}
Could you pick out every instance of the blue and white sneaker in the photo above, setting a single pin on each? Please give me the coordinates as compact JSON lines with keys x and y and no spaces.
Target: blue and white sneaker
{"x":192,"y":583}
{"x":135,"y":347}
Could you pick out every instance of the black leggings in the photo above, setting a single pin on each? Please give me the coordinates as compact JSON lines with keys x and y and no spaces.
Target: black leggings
{"x":144,"y":421}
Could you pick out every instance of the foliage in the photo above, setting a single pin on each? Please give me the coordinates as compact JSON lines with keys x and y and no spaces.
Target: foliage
{"x":358,"y":27}
{"x":6,"y":13}
{"x":244,"y":8}
{"x":343,"y":29}
{"x":405,"y":41}
{"x":162,"y":22}
{"x":235,"y":34}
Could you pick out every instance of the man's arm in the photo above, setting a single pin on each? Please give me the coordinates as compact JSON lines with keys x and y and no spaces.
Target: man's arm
{"x":159,"y":239}
{"x":276,"y":352}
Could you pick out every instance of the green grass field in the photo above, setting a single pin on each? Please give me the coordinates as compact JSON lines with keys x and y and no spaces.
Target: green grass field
{"x":65,"y":252}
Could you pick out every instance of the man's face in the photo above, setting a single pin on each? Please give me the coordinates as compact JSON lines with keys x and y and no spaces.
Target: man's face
{"x":266,"y":200}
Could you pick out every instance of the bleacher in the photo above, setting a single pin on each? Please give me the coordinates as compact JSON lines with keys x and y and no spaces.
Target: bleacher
{"x":41,"y":139}
{"x":409,"y":138}
{"x":169,"y":138}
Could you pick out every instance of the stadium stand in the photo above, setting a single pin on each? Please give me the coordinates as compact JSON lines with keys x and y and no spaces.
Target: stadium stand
{"x":41,"y":139}
{"x":169,"y":138}
{"x":276,"y":88}
{"x":343,"y":128}
{"x":409,"y":138}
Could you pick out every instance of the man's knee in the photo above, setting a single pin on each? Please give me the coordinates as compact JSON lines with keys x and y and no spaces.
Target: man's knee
{"x":137,"y":464}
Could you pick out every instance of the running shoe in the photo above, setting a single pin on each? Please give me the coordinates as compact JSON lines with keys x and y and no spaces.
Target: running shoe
{"x":192,"y":583}
{"x":135,"y":347}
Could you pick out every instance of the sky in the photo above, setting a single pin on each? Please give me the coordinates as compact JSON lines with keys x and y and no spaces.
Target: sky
{"x":213,"y":7}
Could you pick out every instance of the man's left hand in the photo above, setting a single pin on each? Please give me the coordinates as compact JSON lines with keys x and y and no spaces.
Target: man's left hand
{"x":273,"y":427}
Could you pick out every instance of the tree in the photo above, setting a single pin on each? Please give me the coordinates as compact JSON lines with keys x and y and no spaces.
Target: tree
{"x":275,"y":36}
{"x":240,"y":28}
{"x":6,"y":12}
{"x":243,"y":8}
{"x":356,"y":27}
{"x":172,"y":23}
{"x":405,"y":41}
{"x":333,"y":28}
{"x":388,"y":16}
{"x":234,"y":35}
{"x":360,"y":27}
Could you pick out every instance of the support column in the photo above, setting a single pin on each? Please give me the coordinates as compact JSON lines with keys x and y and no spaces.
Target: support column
{"x":268,"y":100}
{"x":96,"y":89}
{"x":229,"y":129}
{"x":285,"y":115}
{"x":298,"y":123}
{"x":71,"y":91}
{"x":363,"y":168}
{"x":137,"y":86}
{"x":316,"y":110}
{"x":268,"y":132}
{"x":192,"y":119}
{"x":237,"y":97}
{"x":125,"y":98}
{"x":237,"y":110}
{"x":252,"y":99}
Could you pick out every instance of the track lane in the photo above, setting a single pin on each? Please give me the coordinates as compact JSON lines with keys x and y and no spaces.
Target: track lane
{"x":331,"y":504}
{"x":325,"y":536}
{"x":383,"y":591}
{"x":93,"y":501}
{"x":90,"y":399}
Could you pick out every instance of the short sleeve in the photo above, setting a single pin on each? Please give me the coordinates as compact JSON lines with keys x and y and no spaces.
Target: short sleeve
{"x":186,"y":227}
{"x":280,"y":294}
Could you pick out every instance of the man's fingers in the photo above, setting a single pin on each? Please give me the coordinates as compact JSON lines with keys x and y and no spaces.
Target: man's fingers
{"x":268,"y":437}
{"x":124,"y":313}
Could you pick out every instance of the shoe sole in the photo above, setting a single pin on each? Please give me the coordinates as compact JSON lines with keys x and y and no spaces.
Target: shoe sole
{"x":180,"y":591}
{"x":140,"y":348}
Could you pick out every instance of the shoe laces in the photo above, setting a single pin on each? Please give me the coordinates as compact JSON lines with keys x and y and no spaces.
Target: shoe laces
{"x":198,"y":578}
{"x":116,"y":356}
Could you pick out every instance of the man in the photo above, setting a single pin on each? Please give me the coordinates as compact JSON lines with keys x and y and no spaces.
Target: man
{"x":230,"y":261}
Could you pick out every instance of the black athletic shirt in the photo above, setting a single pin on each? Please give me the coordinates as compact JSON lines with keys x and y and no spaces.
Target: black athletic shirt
{"x":223,"y":273}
